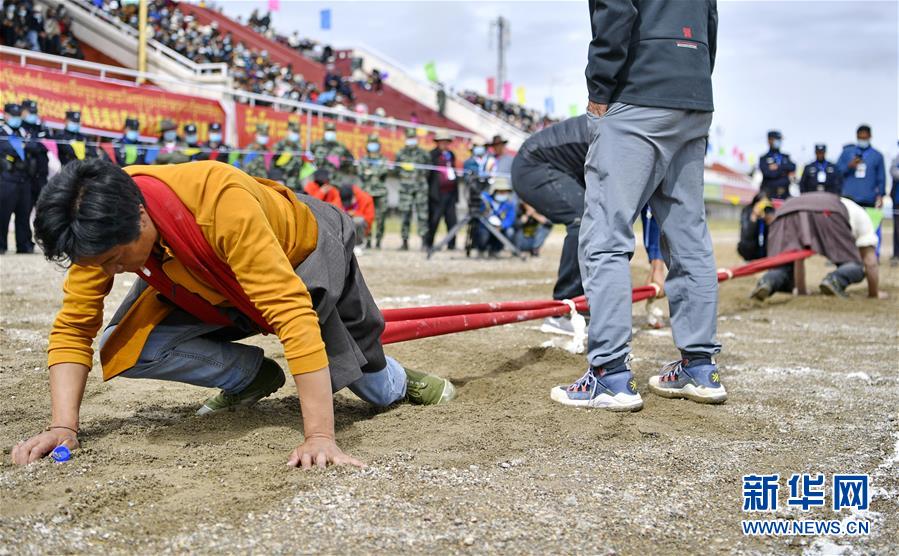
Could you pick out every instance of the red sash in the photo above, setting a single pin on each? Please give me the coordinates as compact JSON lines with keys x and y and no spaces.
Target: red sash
{"x":177,"y":226}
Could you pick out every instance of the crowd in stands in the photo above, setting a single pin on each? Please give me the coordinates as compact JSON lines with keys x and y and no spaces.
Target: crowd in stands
{"x":32,"y":27}
{"x":519,"y":116}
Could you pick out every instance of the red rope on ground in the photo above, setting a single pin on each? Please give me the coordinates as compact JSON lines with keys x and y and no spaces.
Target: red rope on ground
{"x":424,"y":322}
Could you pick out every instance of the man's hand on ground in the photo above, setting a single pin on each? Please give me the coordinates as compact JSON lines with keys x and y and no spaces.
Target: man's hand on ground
{"x":42,"y":444}
{"x":320,"y":452}
{"x":597,"y":108}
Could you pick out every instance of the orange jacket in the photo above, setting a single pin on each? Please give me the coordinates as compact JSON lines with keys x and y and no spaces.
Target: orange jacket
{"x":364,"y":207}
{"x":331,"y":196}
{"x":256,"y":226}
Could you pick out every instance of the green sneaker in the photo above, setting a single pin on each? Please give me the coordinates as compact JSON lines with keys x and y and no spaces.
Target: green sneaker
{"x":267,"y":381}
{"x":425,"y":389}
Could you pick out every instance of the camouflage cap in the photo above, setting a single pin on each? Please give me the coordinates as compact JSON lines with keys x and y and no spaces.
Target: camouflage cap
{"x":410,"y":132}
{"x":330,"y":126}
{"x":500,"y":184}
{"x":373,"y":138}
{"x":293,"y":126}
{"x":167,"y":125}
{"x":262,"y":128}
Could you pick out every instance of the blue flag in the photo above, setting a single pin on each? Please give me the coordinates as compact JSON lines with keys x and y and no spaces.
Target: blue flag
{"x":549,"y":105}
{"x":152,"y":153}
{"x":16,"y":143}
{"x":326,"y":19}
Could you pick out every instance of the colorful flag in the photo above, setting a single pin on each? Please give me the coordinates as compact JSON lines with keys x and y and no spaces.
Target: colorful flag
{"x":109,"y":150}
{"x":274,"y":5}
{"x":507,"y":91}
{"x":233,"y":159}
{"x":520,"y":95}
{"x":491,"y":86}
{"x":549,"y":105}
{"x":268,"y":159}
{"x":334,"y":160}
{"x":283,"y":159}
{"x":16,"y":143}
{"x":326,"y":19}
{"x":307,"y":170}
{"x":573,"y":110}
{"x":152,"y":153}
{"x":78,"y":148}
{"x":130,"y":154}
{"x":51,"y":146}
{"x":431,"y":72}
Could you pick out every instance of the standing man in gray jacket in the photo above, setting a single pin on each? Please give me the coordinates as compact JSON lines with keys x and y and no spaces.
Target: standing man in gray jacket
{"x":649,"y":81}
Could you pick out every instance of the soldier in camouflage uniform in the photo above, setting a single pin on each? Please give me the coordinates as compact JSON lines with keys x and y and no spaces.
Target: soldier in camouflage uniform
{"x":288,"y":159}
{"x":254,"y":162}
{"x":373,"y":171}
{"x":333,"y":156}
{"x":413,"y":187}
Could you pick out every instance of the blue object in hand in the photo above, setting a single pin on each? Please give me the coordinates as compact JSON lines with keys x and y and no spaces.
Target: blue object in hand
{"x":60,"y":454}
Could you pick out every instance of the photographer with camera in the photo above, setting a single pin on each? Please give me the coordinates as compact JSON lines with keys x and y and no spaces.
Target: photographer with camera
{"x":443,"y":188}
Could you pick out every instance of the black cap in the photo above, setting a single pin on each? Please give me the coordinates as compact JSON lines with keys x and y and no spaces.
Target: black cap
{"x":774,"y":134}
{"x":215,"y":127}
{"x":322,"y":176}
{"x":132,"y":123}
{"x":820,"y":147}
{"x":73,"y":116}
{"x":30,"y":105}
{"x":190,"y":128}
{"x":346,"y":194}
{"x":12,"y":109}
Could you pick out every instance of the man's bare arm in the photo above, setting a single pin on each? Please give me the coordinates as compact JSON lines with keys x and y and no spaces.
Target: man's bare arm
{"x":872,"y":272}
{"x":319,"y":448}
{"x":67,"y":382}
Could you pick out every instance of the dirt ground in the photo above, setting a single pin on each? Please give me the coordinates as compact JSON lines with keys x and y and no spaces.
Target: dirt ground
{"x":813,"y":383}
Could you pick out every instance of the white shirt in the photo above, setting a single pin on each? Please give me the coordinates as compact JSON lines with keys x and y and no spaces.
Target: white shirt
{"x":860,"y":222}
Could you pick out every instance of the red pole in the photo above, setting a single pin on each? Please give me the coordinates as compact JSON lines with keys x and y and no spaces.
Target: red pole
{"x":425,"y":322}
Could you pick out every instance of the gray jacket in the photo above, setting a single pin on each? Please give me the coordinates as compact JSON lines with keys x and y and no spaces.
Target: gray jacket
{"x":562,"y":146}
{"x":656,"y":53}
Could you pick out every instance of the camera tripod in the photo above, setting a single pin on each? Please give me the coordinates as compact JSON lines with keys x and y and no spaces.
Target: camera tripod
{"x":471,"y":220}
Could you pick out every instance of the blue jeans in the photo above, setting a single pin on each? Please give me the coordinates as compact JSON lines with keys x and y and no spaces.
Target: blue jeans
{"x":182,"y":350}
{"x":534,"y":242}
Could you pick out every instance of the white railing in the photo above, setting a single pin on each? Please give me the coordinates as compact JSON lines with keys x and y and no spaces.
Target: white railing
{"x":219,"y":70}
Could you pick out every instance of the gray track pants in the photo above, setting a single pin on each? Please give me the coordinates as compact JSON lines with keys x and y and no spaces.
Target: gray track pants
{"x":641,"y":154}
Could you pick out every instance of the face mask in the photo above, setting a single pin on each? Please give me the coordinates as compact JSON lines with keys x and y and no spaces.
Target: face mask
{"x":73,"y":127}
{"x":776,"y":144}
{"x":501,"y":197}
{"x":262,"y":139}
{"x":479,"y":151}
{"x":330,"y":136}
{"x":131,"y":135}
{"x":14,"y":122}
{"x":31,"y":119}
{"x":169,"y":136}
{"x":411,"y":142}
{"x":863,"y":143}
{"x":22,"y":13}
{"x":293,"y":136}
{"x":215,"y":137}
{"x":191,"y":139}
{"x":374,"y":147}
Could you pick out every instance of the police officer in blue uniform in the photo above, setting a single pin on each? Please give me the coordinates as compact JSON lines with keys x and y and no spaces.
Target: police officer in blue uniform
{"x":16,"y":172}
{"x":215,"y":148}
{"x":72,"y":132}
{"x":821,"y":175}
{"x":128,"y":148}
{"x":777,"y":168}
{"x":192,"y":141}
{"x":37,"y":151}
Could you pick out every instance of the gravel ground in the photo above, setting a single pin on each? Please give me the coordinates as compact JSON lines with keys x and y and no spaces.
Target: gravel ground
{"x":813,"y":382}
